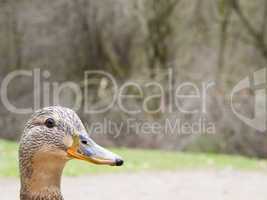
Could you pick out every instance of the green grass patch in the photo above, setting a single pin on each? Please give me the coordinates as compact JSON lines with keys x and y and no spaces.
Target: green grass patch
{"x":137,"y":160}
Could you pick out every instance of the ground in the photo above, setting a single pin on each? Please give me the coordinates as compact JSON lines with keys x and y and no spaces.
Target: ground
{"x":227,"y":184}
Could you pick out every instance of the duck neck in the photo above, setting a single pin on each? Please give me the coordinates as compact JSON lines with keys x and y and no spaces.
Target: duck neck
{"x":41,"y":179}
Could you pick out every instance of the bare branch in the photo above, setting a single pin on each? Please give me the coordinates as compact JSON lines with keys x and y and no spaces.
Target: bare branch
{"x":257,"y":35}
{"x":264,"y":21}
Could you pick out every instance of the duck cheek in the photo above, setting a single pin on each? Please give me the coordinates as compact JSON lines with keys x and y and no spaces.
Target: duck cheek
{"x":67,"y":141}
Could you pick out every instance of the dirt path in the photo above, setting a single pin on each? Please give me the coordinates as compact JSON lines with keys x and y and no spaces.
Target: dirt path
{"x":183,"y":185}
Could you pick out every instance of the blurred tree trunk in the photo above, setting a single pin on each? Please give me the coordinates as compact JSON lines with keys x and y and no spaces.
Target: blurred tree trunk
{"x":159,"y":32}
{"x":14,"y":36}
{"x":226,"y":13}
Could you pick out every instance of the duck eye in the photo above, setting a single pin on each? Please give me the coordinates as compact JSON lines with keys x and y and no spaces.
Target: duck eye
{"x":50,"y":123}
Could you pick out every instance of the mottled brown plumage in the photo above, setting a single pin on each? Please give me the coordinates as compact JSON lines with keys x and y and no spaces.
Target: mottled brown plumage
{"x":47,"y":144}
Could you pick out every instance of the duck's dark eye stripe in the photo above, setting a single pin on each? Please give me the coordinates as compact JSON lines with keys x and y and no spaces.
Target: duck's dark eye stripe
{"x":50,"y":123}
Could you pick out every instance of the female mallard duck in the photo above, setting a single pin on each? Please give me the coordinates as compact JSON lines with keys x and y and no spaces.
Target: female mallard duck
{"x":51,"y":137}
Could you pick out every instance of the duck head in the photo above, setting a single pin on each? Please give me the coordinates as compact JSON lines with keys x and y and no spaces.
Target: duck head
{"x":53,"y":136}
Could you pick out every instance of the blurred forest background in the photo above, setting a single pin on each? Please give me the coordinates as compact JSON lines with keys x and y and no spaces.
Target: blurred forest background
{"x":200,"y":40}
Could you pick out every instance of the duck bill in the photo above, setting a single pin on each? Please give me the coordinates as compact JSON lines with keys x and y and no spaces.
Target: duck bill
{"x":94,"y":153}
